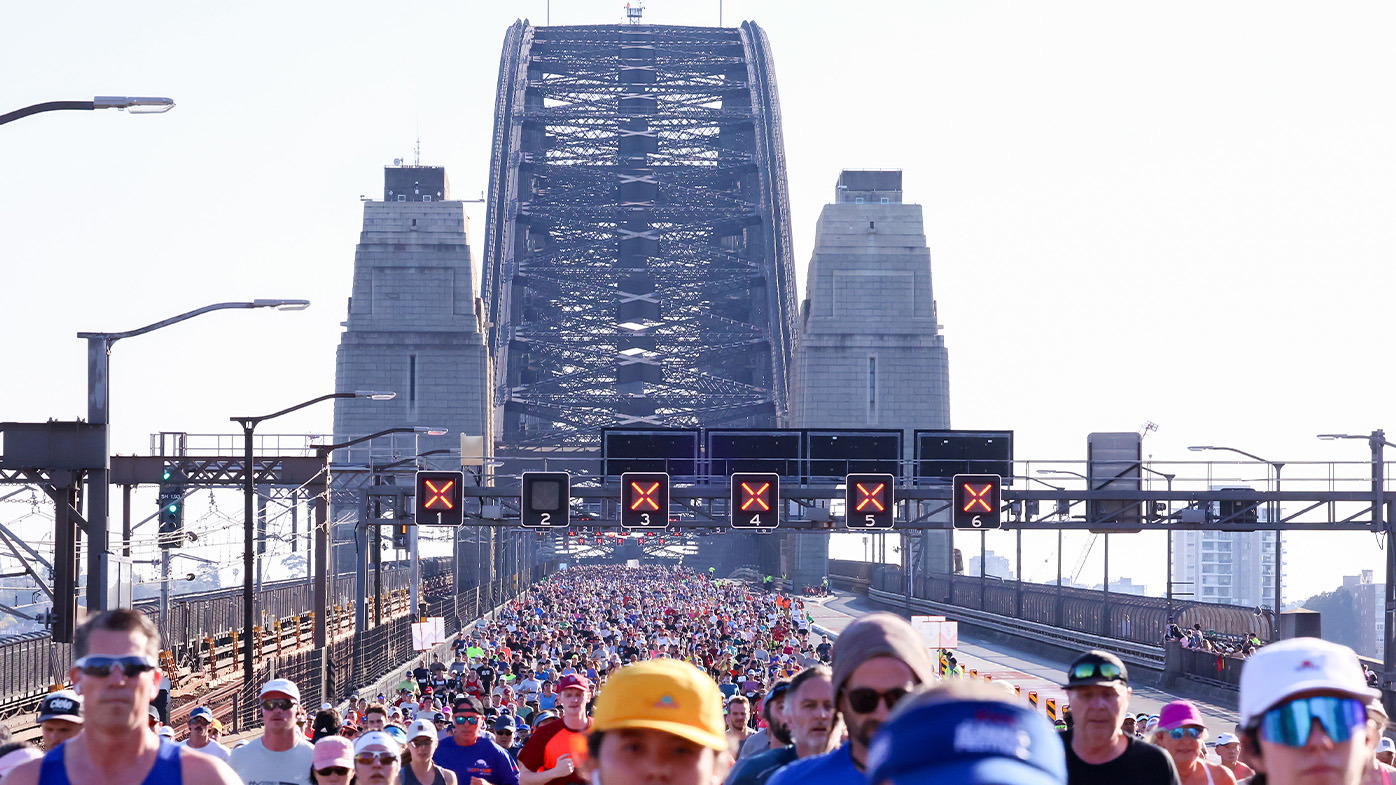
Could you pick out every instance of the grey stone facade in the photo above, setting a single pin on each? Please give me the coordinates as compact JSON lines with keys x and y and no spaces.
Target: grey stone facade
{"x":870,"y":352}
{"x":414,"y":324}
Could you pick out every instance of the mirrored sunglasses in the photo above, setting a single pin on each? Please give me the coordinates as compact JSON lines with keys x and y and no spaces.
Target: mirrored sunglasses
{"x":101,"y":666}
{"x":1190,"y":731}
{"x":471,"y":720}
{"x":370,"y":758}
{"x":1291,"y":722}
{"x":1096,"y":670}
{"x":272,"y":704}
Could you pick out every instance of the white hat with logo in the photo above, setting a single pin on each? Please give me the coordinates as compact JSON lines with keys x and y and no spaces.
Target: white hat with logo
{"x":1289,"y":667}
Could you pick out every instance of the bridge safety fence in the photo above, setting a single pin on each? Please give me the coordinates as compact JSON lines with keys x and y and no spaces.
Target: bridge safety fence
{"x":346,"y":666}
{"x":1126,"y":617}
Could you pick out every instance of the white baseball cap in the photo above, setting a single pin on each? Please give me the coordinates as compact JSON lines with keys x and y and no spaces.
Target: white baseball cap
{"x":378,"y":738}
{"x":283,"y":686}
{"x":1386,"y":745}
{"x":1227,"y":738}
{"x":1289,"y":667}
{"x":421,"y":728}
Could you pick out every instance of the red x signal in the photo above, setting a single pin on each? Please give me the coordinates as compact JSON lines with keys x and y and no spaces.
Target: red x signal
{"x":976,"y":499}
{"x":870,"y":499}
{"x":645,"y":498}
{"x":439,"y":494}
{"x":755,"y":499}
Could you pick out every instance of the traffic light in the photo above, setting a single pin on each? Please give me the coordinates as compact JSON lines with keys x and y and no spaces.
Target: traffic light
{"x":545,"y":499}
{"x":870,"y":501}
{"x":644,"y":500}
{"x":975,"y":501}
{"x":755,"y":501}
{"x":401,"y":539}
{"x":171,"y":516}
{"x":439,"y":497}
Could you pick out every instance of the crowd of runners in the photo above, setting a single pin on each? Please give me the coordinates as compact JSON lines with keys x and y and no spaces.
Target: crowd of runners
{"x":614,"y":676}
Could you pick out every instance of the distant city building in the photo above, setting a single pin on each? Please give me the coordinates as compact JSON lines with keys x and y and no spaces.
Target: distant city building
{"x":1234,"y":568}
{"x":1369,"y":600}
{"x":870,"y":353}
{"x":995,"y":566}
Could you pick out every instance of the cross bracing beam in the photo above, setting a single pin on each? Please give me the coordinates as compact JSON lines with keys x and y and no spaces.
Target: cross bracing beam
{"x":637,"y":244}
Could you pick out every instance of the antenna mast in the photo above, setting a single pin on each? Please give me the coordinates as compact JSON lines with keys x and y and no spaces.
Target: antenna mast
{"x":633,"y":12}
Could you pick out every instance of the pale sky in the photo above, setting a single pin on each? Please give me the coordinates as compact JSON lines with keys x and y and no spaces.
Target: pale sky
{"x":1168,"y":212}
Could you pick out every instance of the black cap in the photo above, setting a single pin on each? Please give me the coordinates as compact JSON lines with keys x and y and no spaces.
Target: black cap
{"x":61,"y":705}
{"x":468,"y":703}
{"x":1096,"y":667}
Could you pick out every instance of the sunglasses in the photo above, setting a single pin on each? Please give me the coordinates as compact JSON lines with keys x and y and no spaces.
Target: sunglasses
{"x":864,"y":699}
{"x":333,"y":771}
{"x":272,"y":704}
{"x":101,"y":666}
{"x":1097,"y":670}
{"x":1290,"y":723}
{"x":471,"y":720}
{"x":1191,"y":731}
{"x":370,"y":758}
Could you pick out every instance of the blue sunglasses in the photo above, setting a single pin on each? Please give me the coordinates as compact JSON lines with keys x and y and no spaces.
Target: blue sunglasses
{"x":1291,"y":722}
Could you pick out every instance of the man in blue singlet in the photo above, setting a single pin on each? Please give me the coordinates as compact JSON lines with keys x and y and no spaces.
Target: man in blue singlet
{"x":116,"y":672}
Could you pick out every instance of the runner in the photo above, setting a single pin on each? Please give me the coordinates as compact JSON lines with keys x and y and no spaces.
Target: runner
{"x":878,"y":659}
{"x":658,"y":722}
{"x":469,"y":754}
{"x":1181,"y":733}
{"x":420,"y":769}
{"x":814,"y":727}
{"x":1098,"y":752}
{"x":776,"y":734}
{"x":200,"y":723}
{"x":377,"y":759}
{"x":558,"y":747}
{"x":281,"y":754}
{"x":60,"y":717}
{"x":1304,"y":711}
{"x":1229,"y":750}
{"x":738,"y":731}
{"x":332,"y":762}
{"x":117,"y":673}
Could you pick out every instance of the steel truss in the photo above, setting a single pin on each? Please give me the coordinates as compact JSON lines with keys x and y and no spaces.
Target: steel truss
{"x":638,"y":245}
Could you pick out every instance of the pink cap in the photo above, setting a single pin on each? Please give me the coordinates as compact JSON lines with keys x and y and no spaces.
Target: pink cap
{"x":1179,"y":714}
{"x":333,"y":751}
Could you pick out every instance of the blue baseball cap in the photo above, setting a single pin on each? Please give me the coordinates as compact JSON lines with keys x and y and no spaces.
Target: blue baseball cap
{"x":966,"y":742}
{"x":398,"y":734}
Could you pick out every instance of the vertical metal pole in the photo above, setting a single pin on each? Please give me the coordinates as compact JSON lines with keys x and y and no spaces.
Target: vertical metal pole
{"x":321,"y":585}
{"x":294,"y":510}
{"x":1388,"y":658}
{"x":377,"y":575}
{"x":414,"y":573}
{"x":360,"y":591}
{"x":165,"y":593}
{"x":1276,"y":514}
{"x":126,"y":521}
{"x":249,"y":490}
{"x":1106,"y":627}
{"x":98,"y":401}
{"x":261,"y":540}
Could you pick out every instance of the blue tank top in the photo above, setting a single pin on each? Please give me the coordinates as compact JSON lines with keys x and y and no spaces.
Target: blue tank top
{"x":165,"y":771}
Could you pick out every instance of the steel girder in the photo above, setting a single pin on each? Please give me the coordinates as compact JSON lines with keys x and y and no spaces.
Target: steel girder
{"x":638,"y":266}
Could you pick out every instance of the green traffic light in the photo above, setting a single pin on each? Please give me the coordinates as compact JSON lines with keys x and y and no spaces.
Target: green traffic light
{"x":174,"y":508}
{"x":167,"y":475}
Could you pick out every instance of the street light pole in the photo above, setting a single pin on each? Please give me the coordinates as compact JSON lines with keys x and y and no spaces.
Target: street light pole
{"x":98,"y":406}
{"x":249,"y":493}
{"x":1273,"y":512}
{"x":1376,"y":440}
{"x":137,"y":105}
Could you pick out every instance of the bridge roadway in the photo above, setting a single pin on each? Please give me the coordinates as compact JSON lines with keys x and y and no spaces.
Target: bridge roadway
{"x":1030,"y":670}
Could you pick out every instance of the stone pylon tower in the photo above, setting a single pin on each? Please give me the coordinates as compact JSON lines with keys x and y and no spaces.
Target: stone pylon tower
{"x":415,"y":323}
{"x":870,"y":352}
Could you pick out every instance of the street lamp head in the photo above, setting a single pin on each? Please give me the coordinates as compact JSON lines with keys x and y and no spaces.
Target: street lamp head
{"x":431,"y":431}
{"x":134,"y":104}
{"x":1328,"y":437}
{"x":282,"y":305}
{"x":1201,"y":447}
{"x":375,"y":395}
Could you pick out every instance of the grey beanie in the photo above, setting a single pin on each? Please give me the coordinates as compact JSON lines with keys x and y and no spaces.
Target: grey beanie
{"x":880,"y":635}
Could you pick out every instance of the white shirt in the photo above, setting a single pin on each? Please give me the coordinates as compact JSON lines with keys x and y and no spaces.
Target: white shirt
{"x":212,"y":748}
{"x":257,"y":765}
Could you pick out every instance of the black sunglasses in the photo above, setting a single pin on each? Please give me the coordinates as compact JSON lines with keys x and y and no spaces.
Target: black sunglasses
{"x":272,"y":704}
{"x":422,"y":741}
{"x":333,"y":771}
{"x":101,"y":666}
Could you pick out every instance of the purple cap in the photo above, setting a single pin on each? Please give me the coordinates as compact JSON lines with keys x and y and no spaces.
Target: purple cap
{"x":1180,"y":714}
